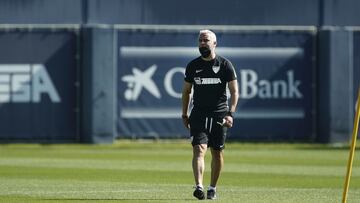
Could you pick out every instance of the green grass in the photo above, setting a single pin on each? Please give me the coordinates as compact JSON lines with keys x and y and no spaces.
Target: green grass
{"x":160,"y":171}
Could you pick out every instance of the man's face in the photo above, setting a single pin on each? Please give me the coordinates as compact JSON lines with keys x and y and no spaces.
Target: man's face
{"x":205,"y":40}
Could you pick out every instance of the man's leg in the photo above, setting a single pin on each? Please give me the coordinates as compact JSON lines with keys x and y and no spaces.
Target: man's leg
{"x":217,"y":144}
{"x":217,"y":163}
{"x":198,"y":163}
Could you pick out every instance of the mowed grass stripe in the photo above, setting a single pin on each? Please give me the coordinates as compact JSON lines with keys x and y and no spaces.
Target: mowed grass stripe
{"x":260,"y":154}
{"x":176,"y":177}
{"x":163,"y":165}
{"x":50,"y":190}
{"x":111,"y":175}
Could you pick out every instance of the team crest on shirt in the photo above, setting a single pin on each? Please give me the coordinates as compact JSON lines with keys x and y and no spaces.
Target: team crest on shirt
{"x":216,"y":69}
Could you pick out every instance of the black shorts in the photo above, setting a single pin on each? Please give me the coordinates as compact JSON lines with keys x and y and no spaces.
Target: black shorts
{"x":206,"y":128}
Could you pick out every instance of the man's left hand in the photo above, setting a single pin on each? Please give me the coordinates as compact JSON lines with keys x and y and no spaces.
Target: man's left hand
{"x":228,"y":121}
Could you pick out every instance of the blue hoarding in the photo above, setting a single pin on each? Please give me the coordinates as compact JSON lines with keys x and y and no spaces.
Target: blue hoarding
{"x":356,"y":58}
{"x":275,"y":72}
{"x":38,"y":71}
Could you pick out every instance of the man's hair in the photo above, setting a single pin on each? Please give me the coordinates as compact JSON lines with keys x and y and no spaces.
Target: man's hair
{"x":209,"y":32}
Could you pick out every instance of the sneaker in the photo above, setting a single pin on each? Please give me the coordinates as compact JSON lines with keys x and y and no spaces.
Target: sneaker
{"x":211,"y":194}
{"x":199,"y":193}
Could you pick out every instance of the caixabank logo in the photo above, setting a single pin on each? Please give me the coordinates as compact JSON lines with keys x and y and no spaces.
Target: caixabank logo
{"x":26,"y":83}
{"x":251,"y":86}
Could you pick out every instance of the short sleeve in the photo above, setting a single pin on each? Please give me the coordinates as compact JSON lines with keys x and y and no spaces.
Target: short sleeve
{"x":230,"y":71}
{"x":189,"y":76}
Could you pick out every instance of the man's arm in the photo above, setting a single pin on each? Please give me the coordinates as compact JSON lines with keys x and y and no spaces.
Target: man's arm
{"x":234,"y":94}
{"x":186,"y":96}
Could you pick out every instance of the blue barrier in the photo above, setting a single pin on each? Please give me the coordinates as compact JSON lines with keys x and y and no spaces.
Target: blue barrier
{"x":38,"y":95}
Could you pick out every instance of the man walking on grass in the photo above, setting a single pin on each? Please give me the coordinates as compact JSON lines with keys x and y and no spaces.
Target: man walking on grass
{"x":209,"y":76}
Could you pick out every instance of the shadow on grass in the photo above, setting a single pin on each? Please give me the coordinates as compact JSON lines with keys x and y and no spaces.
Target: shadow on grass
{"x":119,"y":199}
{"x":279,"y":145}
{"x":340,"y":147}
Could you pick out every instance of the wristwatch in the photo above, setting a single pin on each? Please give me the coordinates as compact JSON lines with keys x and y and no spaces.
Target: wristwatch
{"x":229,"y":113}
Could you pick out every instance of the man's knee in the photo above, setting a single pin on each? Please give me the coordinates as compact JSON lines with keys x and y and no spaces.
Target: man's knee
{"x":217,"y":154}
{"x":199,"y":150}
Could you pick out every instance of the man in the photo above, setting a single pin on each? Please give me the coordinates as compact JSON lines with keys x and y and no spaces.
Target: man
{"x":209,"y":76}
